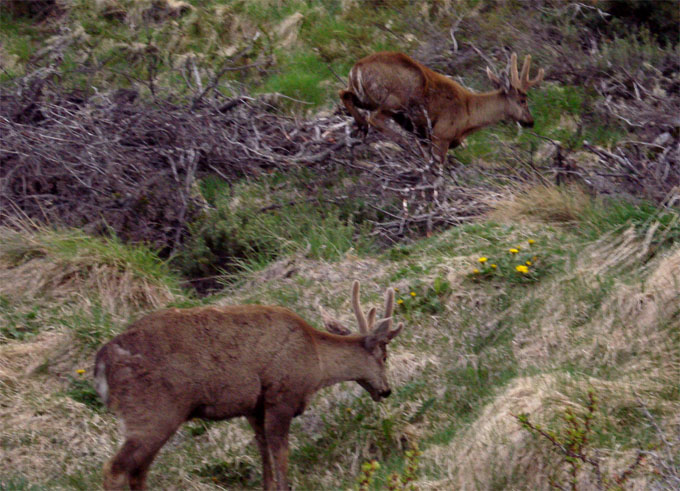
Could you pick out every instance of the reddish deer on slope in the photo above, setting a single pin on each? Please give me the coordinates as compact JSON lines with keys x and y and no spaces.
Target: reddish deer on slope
{"x":393,"y":85}
{"x":261,"y":362}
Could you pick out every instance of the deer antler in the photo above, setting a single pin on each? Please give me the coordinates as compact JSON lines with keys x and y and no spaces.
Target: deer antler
{"x":389,"y":303}
{"x":365,"y":325}
{"x":522,"y":82}
{"x":361,"y":318}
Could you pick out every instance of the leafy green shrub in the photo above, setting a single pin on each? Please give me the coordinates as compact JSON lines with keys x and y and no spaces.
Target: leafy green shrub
{"x":572,"y":443}
{"x":404,"y":481}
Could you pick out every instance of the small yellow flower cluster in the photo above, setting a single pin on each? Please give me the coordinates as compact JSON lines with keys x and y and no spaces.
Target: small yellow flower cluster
{"x":487,"y":268}
{"x":80,"y":371}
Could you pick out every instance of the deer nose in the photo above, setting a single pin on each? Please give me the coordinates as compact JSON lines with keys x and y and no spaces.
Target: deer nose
{"x":385,"y":393}
{"x":528,"y":124}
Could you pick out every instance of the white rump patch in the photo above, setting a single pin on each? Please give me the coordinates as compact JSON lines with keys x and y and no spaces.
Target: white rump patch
{"x":100,"y":383}
{"x":358,"y":84}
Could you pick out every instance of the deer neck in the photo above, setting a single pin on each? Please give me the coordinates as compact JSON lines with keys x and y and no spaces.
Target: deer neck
{"x":341,"y":360}
{"x":486,"y":109}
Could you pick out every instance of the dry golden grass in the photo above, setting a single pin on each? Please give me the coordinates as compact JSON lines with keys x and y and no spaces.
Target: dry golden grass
{"x":549,"y":204}
{"x":495,"y":451}
{"x":71,"y":268}
{"x":46,"y":434}
{"x":628,"y":337}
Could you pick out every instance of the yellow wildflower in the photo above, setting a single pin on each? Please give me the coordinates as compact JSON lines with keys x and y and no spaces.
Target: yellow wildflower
{"x":400,"y":301}
{"x":534,"y":258}
{"x":521,"y":268}
{"x":475,"y":271}
{"x":413,"y":294}
{"x":513,"y":251}
{"x":531,"y":241}
{"x":482,"y":260}
{"x":528,"y":263}
{"x":493,"y":266}
{"x":80,"y":371}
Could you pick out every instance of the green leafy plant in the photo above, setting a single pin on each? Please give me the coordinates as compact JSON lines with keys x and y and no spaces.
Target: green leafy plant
{"x":80,"y":389}
{"x":427,"y":299}
{"x":365,"y":479}
{"x":15,"y":324}
{"x":397,"y":481}
{"x":519,"y":264}
{"x":572,"y":444}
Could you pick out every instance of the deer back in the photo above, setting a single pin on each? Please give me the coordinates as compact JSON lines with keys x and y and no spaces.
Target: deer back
{"x":203,"y":354}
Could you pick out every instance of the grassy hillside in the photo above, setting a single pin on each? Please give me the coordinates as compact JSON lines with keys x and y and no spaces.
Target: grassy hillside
{"x":542,"y":338}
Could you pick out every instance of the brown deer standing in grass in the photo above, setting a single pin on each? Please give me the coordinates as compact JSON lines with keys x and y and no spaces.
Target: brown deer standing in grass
{"x":261,"y":362}
{"x":392,"y":85}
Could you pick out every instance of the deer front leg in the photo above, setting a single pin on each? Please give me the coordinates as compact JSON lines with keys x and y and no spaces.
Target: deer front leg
{"x":440,"y":148}
{"x":378,"y":119}
{"x":276,"y":428}
{"x":257,"y":423}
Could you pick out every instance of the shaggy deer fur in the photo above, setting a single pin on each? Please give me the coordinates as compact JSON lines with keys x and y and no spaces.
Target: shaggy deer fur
{"x":261,"y":362}
{"x":392,"y":85}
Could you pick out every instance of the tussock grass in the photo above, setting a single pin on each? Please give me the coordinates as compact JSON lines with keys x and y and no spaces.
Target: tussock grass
{"x":548,"y":204}
{"x":69,"y":266}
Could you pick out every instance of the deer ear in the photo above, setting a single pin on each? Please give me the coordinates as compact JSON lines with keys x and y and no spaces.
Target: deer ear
{"x":332,"y":325}
{"x":394,"y":332}
{"x":380,"y":334}
{"x":494,"y":79}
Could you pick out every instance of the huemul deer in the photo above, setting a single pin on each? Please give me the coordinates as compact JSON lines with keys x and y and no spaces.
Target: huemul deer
{"x":392,"y":85}
{"x":261,"y":362}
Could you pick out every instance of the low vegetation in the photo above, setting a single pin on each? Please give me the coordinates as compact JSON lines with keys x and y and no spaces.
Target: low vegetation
{"x":537,"y":274}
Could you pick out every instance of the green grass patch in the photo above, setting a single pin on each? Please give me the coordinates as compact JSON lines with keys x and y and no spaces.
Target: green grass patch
{"x":92,"y":326}
{"x":80,"y":389}
{"x":17,"y":324}
{"x":302,"y":80}
{"x":18,"y":483}
{"x":254,"y":223}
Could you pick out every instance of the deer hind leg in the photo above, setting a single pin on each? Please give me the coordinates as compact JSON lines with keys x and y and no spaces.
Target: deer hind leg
{"x":351,"y":102}
{"x":257,"y":423}
{"x":131,"y":464}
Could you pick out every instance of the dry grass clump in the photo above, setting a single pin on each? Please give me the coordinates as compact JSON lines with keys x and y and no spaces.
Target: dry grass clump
{"x":67,"y":267}
{"x":496,"y":451}
{"x":45,"y":433}
{"x":631,"y":323}
{"x":626,"y":340}
{"x":549,"y":204}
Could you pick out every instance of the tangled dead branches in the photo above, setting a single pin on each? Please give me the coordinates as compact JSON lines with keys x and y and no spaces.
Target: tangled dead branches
{"x":109,"y":163}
